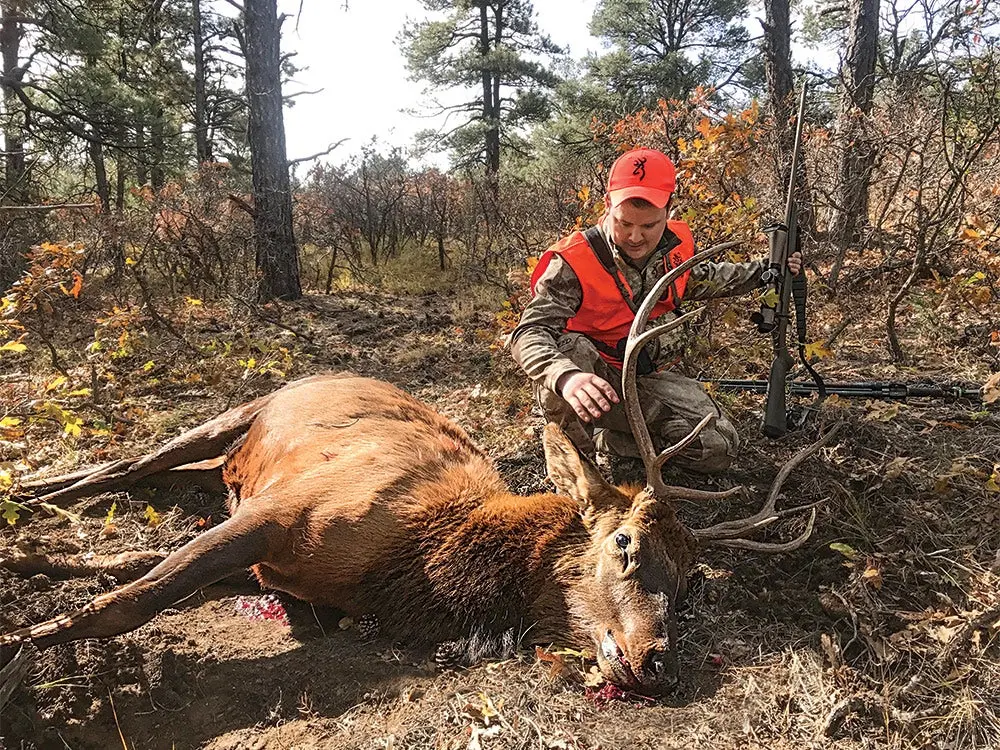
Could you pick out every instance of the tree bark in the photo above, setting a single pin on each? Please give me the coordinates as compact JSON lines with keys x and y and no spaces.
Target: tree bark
{"x":141,"y":173}
{"x":15,"y":178}
{"x":15,"y":170}
{"x":203,"y":146}
{"x":491,"y":105}
{"x":778,"y":70}
{"x":277,"y":255}
{"x":157,"y":151}
{"x":858,"y":152}
{"x":96,"y":150}
{"x":781,"y":104}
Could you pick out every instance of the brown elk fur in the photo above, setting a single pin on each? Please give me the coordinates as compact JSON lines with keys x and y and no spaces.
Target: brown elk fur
{"x":348,"y":492}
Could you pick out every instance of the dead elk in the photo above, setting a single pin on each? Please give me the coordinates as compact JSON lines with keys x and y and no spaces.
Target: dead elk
{"x":348,"y":492}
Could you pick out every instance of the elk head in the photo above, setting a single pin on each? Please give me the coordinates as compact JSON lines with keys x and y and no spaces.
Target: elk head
{"x":632,"y":575}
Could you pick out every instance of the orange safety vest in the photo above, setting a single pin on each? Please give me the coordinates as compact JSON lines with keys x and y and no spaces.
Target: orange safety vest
{"x":605,"y":315}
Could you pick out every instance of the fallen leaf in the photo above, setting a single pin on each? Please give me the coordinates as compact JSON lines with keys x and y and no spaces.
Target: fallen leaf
{"x":895,"y":467}
{"x":873,"y":577}
{"x":557,"y":665}
{"x":55,"y":383}
{"x":818,"y":350}
{"x":879,"y":411}
{"x":993,"y":483}
{"x":593,"y":678}
{"x":845,"y":549}
{"x":991,"y":389}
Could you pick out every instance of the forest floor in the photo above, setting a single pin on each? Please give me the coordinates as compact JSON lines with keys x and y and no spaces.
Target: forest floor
{"x":882,"y":632}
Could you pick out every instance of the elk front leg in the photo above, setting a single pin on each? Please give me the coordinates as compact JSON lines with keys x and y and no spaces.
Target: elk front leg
{"x":234,"y":545}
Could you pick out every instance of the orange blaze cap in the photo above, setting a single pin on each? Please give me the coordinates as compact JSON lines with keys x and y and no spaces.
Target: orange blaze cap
{"x":642,"y":173}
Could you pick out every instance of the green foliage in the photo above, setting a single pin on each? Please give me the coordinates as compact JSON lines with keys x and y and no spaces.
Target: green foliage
{"x":663,"y":49}
{"x":504,"y":67}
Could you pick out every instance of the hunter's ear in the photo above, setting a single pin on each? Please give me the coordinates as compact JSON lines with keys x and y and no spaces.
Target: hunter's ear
{"x":572,"y":474}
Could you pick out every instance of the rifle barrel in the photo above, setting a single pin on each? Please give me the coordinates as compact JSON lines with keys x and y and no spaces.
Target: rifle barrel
{"x":872,"y":390}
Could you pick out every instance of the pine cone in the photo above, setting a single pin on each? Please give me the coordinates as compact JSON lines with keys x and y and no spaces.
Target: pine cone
{"x":368,"y":627}
{"x":449,"y":655}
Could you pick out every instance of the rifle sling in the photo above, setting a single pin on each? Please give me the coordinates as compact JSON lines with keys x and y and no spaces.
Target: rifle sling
{"x":799,"y":293}
{"x":595,"y":238}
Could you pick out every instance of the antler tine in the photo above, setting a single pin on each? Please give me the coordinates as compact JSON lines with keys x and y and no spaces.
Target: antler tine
{"x":727,"y":533}
{"x":637,"y":338}
{"x":686,"y":493}
{"x":790,"y":545}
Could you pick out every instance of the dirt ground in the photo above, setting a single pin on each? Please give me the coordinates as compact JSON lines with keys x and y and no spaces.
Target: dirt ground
{"x":887,"y":639}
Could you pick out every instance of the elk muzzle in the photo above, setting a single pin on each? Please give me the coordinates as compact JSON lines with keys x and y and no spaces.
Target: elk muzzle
{"x":651,"y":667}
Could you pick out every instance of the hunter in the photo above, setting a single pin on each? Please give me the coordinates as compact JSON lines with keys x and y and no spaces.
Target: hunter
{"x":571,"y":336}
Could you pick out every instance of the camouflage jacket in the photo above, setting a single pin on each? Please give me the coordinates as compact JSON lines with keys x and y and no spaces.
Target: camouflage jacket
{"x":558,"y":296}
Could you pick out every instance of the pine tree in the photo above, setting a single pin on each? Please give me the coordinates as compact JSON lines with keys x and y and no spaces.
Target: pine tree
{"x":494,"y":54}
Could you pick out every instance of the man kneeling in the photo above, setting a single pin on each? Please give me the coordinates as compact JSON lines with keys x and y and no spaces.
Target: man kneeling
{"x":585,"y":291}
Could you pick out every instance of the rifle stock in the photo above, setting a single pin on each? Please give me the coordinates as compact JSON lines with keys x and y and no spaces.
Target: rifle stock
{"x":775,"y":420}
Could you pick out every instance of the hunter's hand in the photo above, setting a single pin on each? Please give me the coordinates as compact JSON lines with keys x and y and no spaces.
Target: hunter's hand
{"x":589,"y":395}
{"x":795,"y":263}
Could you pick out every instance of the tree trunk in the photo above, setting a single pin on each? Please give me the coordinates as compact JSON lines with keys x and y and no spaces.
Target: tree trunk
{"x":203,"y":146}
{"x":781,"y":104}
{"x":120,"y":161}
{"x":96,"y":151}
{"x":15,"y":177}
{"x":157,"y":150}
{"x":858,"y":152}
{"x":141,"y":173}
{"x":778,"y":69}
{"x":12,"y":260}
{"x":277,"y":255}
{"x":491,"y":104}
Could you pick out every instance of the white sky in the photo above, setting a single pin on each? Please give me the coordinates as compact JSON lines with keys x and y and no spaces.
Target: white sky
{"x":353,"y":55}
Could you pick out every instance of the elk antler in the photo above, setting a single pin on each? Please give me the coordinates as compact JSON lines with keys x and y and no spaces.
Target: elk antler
{"x":728,"y":533}
{"x":637,"y":338}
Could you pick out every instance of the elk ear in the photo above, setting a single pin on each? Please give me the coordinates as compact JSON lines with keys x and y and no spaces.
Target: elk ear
{"x":572,"y":474}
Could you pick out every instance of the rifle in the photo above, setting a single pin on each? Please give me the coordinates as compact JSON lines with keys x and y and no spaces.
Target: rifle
{"x":774,"y":318}
{"x":883,"y":391}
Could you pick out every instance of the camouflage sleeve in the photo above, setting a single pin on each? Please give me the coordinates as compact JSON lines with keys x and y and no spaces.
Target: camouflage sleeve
{"x":711,"y":280}
{"x":558,"y":296}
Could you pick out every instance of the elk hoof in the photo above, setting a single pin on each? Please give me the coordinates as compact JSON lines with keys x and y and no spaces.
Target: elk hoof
{"x":368,"y":627}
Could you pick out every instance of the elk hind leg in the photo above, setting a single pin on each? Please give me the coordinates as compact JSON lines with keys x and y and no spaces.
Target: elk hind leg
{"x":219,"y":552}
{"x":201,"y":444}
{"x":125,"y":566}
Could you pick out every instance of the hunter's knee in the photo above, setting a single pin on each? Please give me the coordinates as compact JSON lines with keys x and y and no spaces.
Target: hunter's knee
{"x":719,"y":445}
{"x":716,"y":453}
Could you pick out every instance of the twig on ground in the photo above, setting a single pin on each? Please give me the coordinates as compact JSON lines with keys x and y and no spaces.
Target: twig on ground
{"x":277,"y":323}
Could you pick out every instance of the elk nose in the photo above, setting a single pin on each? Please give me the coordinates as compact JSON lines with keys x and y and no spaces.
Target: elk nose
{"x":660,"y":668}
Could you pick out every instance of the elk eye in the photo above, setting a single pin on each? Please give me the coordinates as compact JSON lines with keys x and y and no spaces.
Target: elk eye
{"x":623,"y":541}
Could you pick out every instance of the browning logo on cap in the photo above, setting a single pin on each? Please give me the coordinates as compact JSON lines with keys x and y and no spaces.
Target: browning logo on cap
{"x":640,"y":168}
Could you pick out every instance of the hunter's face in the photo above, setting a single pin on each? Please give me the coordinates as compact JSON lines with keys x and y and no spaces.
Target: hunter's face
{"x":636,"y":227}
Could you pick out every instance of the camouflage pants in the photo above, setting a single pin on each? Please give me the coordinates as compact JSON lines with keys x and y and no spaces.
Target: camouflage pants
{"x":671,"y":404}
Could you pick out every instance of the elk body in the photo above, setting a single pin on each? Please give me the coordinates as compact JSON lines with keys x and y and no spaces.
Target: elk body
{"x":348,"y":492}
